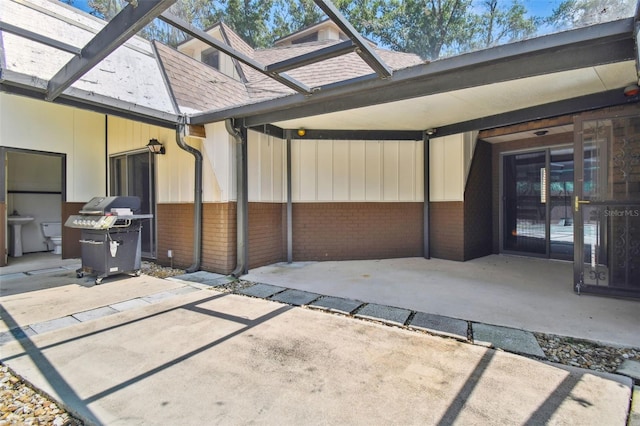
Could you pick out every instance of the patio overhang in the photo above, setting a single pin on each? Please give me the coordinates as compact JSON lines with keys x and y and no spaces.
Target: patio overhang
{"x":561,"y":73}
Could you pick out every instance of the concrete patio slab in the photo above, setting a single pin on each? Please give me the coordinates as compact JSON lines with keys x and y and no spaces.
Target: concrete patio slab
{"x":156,"y":297}
{"x":261,"y":290}
{"x":384,"y":313}
{"x":336,"y":304}
{"x":45,"y":297}
{"x":631,"y":369}
{"x":295,"y":297}
{"x":95,"y":313}
{"x":533,"y":294}
{"x":55,"y":324}
{"x":16,"y":333}
{"x":509,"y":339}
{"x":210,"y":279}
{"x":47,"y":271}
{"x":275,"y":364}
{"x":438,"y":324}
{"x":130,"y":304}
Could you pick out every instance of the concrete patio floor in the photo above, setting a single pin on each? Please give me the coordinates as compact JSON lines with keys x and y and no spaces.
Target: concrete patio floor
{"x":523,"y":293}
{"x":172,"y":351}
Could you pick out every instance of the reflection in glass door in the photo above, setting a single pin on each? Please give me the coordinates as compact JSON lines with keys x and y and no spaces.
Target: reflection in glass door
{"x":134,"y":174}
{"x":560,"y":196}
{"x":537,"y":192}
{"x":524,"y":201}
{"x":607,"y":206}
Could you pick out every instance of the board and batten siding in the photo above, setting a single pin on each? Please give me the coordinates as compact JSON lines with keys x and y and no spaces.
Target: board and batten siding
{"x":42,"y":126}
{"x":175,"y":180}
{"x":336,"y":170}
{"x":450,"y":161}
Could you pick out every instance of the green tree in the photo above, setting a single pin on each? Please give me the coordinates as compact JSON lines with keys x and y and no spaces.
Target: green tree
{"x":290,"y":16}
{"x":250,"y":18}
{"x":497,"y":24}
{"x":423,"y":27}
{"x":200,"y":13}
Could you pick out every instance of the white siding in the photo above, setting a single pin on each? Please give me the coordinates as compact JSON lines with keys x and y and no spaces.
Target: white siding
{"x":357,"y":171}
{"x":218,"y":151}
{"x":450,"y":158}
{"x":267,"y":168}
{"x":40,"y":126}
{"x":175,"y":171}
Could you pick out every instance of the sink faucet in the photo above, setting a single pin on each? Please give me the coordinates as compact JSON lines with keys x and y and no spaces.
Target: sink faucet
{"x":15,"y":213}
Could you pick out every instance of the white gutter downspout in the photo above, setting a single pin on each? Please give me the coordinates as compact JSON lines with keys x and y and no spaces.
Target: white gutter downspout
{"x":197,"y":199}
{"x":242,"y":209}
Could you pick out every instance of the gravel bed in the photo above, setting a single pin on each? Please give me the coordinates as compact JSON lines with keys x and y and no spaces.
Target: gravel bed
{"x":585,"y":354}
{"x":154,"y":270}
{"x":21,"y":405}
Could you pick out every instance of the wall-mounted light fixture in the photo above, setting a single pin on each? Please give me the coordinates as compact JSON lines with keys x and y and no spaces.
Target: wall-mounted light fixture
{"x":155,"y":147}
{"x":301,"y":132}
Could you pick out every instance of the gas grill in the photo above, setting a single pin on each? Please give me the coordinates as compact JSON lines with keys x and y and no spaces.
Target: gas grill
{"x":110,"y":239}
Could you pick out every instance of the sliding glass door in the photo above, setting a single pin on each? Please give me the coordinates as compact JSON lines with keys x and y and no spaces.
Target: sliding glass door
{"x":537,"y":188}
{"x":134,"y":174}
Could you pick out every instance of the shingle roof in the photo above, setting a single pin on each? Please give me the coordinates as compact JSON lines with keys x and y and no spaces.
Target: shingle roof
{"x":320,"y":73}
{"x":197,"y":86}
{"x":196,"y":91}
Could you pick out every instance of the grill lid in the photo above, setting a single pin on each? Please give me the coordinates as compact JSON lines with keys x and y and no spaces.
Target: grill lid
{"x":102,"y":205}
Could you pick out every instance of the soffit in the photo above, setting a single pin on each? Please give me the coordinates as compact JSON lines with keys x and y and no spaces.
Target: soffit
{"x":458,"y":106}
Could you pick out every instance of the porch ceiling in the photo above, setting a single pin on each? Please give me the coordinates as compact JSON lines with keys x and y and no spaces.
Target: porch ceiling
{"x":457,"y":106}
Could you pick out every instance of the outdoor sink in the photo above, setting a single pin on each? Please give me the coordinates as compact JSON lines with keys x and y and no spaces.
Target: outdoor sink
{"x":15,"y":236}
{"x":19,"y":220}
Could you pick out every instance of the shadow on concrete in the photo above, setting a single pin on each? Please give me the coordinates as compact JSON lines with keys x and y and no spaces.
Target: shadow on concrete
{"x":78,"y":406}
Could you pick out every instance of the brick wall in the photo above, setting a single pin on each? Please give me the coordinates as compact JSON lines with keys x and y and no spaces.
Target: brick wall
{"x":267,"y":233}
{"x":71,"y":248}
{"x":478,"y":211}
{"x":219,"y":237}
{"x":175,"y":232}
{"x":446,"y":230}
{"x":341,"y":231}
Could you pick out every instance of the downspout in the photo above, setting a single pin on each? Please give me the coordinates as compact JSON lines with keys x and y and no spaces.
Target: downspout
{"x":197,"y":199}
{"x":242,"y":209}
{"x":427,"y":196}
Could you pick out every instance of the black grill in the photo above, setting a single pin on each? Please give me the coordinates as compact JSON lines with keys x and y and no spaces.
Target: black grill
{"x":110,"y":239}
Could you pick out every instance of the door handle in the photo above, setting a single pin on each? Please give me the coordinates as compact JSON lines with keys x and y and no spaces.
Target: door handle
{"x":578,"y":201}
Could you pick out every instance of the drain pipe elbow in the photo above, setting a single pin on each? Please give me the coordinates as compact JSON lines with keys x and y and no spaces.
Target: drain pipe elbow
{"x":241,"y":258}
{"x":197,"y":199}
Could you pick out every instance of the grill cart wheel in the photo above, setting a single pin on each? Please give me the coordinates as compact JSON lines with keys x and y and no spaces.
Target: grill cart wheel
{"x":79,"y":274}
{"x":98,"y":281}
{"x":138,"y":272}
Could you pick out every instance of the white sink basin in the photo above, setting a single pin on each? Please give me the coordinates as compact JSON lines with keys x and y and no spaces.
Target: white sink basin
{"x":15,"y":236}
{"x":19,"y":220}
